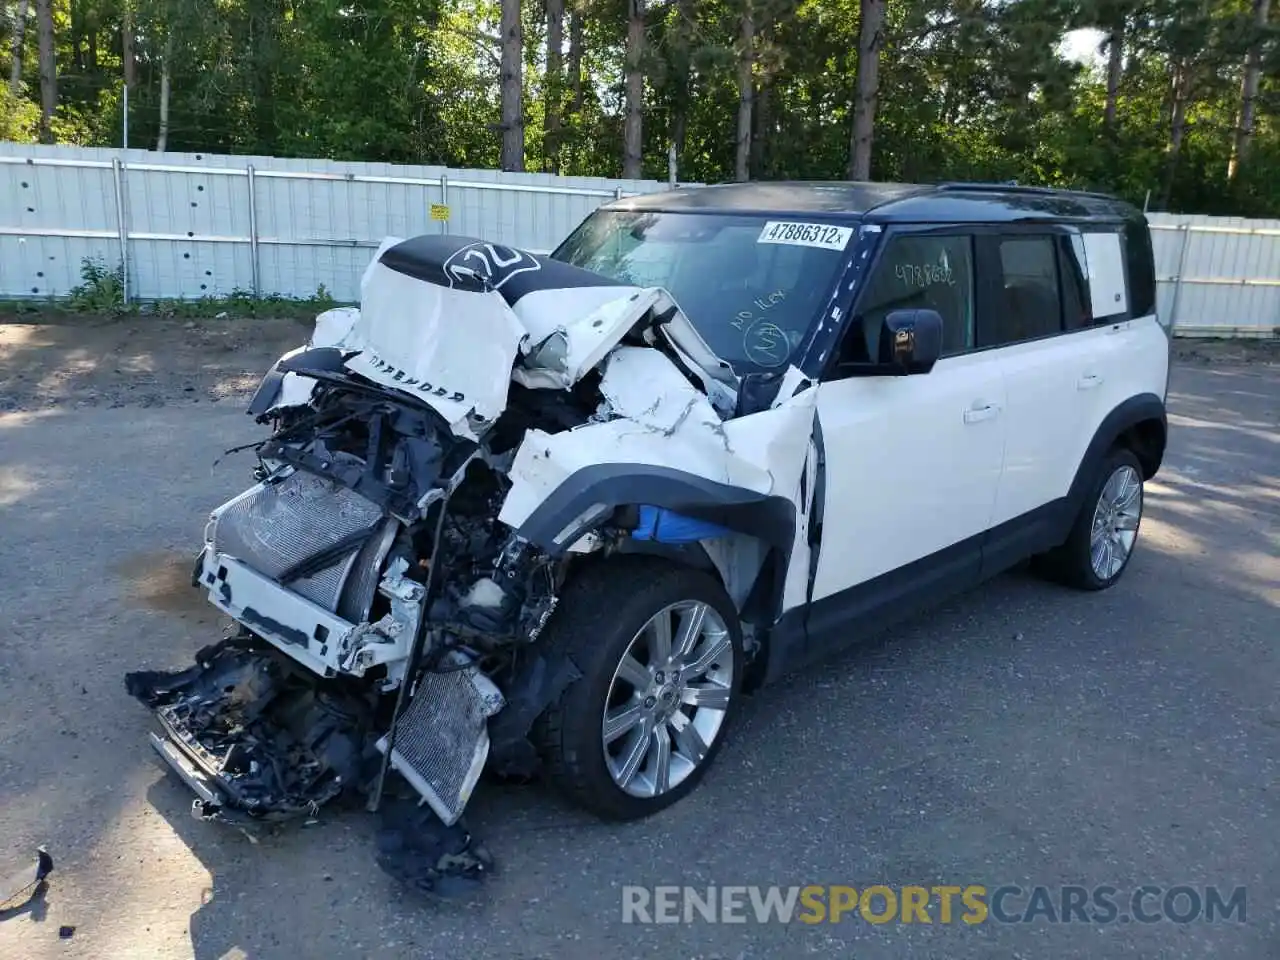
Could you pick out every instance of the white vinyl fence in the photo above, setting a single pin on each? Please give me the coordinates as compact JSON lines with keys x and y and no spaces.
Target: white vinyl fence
{"x":1218,"y":276}
{"x":187,"y":226}
{"x":193,"y":225}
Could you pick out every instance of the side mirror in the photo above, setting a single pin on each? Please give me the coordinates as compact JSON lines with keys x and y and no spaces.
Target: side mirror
{"x":911,"y":341}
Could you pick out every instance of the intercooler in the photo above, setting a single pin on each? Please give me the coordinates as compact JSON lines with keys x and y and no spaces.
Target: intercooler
{"x":278,"y":526}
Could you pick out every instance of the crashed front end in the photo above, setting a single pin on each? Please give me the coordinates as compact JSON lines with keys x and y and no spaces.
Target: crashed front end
{"x":325,"y":564}
{"x":391,"y":568}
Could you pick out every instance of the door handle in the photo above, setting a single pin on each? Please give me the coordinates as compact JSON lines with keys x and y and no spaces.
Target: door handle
{"x":1088,"y":381}
{"x":977,"y":414}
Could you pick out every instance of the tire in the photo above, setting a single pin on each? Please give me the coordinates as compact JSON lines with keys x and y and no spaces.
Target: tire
{"x":602,"y":612}
{"x":1073,"y":563}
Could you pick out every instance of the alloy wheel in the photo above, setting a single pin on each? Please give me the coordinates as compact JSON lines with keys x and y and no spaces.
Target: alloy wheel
{"x":1115,"y":522}
{"x":668,"y":699}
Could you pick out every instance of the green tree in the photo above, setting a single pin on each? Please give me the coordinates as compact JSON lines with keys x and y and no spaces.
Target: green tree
{"x":1181,"y":104}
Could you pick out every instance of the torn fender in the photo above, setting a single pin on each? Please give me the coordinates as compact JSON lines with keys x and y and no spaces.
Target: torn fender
{"x":668,"y":448}
{"x":282,"y":388}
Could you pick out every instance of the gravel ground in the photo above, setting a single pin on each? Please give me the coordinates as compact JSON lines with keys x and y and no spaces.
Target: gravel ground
{"x":1022,"y":734}
{"x":137,"y":361}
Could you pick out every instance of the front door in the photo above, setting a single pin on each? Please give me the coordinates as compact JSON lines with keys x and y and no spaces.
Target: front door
{"x":912,"y":463}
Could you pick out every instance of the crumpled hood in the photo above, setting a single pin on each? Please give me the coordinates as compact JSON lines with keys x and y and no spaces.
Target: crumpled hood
{"x":453,"y":321}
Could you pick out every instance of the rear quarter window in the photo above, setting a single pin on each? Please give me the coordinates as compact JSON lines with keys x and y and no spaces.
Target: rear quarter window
{"x":1108,"y":285}
{"x":1141,"y":267}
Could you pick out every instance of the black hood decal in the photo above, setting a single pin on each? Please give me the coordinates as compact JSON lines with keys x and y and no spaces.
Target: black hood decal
{"x":478,"y":266}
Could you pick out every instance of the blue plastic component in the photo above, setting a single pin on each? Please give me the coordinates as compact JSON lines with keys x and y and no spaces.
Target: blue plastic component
{"x":663,"y":526}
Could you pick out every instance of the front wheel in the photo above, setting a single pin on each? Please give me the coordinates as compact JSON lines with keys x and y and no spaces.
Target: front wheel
{"x":660,"y":652}
{"x":1101,"y":542}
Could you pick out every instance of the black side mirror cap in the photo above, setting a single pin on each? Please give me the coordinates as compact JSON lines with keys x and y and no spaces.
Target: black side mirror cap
{"x":910,"y":341}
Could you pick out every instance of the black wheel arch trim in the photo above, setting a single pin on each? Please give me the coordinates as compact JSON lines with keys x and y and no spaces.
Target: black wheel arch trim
{"x":1135,"y":410}
{"x":769,"y":517}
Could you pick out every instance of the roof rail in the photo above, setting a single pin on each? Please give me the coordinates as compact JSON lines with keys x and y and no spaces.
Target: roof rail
{"x":959,"y":186}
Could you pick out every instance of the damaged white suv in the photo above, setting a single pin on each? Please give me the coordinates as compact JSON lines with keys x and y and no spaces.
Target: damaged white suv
{"x":557,"y":513}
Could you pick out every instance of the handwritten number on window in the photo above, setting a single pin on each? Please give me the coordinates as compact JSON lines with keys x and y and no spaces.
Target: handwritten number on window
{"x":923,"y":275}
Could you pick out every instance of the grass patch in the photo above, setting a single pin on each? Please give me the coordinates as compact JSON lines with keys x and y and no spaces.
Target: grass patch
{"x":100,"y":294}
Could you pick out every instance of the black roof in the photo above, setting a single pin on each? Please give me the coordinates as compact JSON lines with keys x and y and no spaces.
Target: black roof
{"x":887,"y":202}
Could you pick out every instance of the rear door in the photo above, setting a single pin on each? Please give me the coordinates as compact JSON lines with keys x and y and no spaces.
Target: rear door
{"x":1035,"y":317}
{"x":1133,"y":351}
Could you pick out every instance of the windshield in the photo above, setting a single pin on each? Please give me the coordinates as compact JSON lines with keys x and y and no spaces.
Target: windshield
{"x":751,"y":285}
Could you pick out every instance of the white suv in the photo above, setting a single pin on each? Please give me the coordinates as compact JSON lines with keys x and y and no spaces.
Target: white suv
{"x":557,"y":513}
{"x":988,"y":377}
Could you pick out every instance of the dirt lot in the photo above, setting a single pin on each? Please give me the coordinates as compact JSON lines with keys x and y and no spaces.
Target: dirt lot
{"x":137,"y":361}
{"x":1020,"y":735}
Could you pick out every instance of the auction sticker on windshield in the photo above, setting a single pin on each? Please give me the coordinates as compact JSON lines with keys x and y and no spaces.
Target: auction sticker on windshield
{"x":822,"y":235}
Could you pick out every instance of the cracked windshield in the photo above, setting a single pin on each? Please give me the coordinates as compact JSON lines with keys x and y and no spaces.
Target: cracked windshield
{"x":751,"y":285}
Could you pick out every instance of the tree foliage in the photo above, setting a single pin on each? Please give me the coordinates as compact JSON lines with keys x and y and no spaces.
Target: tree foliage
{"x":965,"y":89}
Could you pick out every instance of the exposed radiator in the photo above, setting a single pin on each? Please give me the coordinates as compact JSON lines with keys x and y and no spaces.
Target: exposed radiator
{"x":442,"y":738}
{"x":273,"y":526}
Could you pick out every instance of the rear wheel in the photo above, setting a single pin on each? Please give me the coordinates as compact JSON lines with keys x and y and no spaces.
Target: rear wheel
{"x":1102,"y":540}
{"x":660,"y":652}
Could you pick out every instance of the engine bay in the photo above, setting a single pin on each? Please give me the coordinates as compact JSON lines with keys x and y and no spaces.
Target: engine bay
{"x":383,"y":528}
{"x":367,"y":551}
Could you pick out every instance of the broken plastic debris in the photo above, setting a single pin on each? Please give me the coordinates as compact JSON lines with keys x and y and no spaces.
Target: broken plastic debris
{"x":417,"y":849}
{"x":484,"y":593}
{"x":19,"y":888}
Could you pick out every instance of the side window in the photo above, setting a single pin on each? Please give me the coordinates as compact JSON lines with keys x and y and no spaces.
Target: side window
{"x":1075,"y":283}
{"x":916,"y":272}
{"x":1027,"y":293}
{"x":1142,"y":267}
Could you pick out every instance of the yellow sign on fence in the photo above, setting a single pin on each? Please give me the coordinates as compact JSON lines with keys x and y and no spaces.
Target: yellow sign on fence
{"x":439,"y":211}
